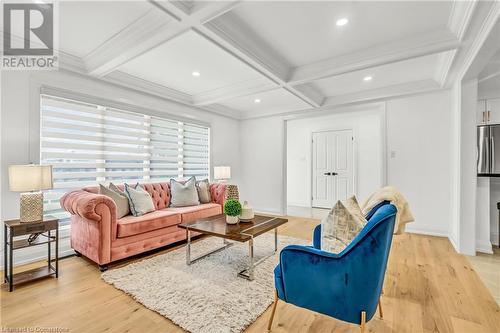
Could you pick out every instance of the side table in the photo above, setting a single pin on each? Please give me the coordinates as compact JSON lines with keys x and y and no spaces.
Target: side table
{"x":44,"y":228}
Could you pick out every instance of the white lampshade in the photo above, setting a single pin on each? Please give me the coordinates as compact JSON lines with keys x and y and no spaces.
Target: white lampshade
{"x":222,"y":172}
{"x":24,"y":178}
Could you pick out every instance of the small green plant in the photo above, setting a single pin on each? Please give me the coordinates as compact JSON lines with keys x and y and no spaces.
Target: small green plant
{"x":232,"y":207}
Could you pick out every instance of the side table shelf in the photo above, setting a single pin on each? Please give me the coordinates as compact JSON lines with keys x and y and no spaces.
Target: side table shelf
{"x":44,"y":229}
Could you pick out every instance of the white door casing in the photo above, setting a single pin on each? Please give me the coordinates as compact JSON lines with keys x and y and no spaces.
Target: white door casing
{"x":332,"y":167}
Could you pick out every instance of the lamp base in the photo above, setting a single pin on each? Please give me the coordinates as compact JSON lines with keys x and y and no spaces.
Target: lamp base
{"x":31,"y":207}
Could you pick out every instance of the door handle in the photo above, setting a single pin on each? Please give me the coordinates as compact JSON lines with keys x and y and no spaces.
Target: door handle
{"x":327,"y":173}
{"x":334,"y":173}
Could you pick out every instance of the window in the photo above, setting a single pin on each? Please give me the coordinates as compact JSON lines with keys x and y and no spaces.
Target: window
{"x":89,"y":144}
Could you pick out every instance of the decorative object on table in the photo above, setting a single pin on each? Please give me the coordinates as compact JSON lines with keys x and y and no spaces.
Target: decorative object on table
{"x":30,"y":180}
{"x":232,"y":209}
{"x":222,"y":173}
{"x":231,"y":192}
{"x":203,"y":188}
{"x":247,"y":214}
{"x":40,"y":233}
{"x":184,"y":193}
{"x":321,"y":281}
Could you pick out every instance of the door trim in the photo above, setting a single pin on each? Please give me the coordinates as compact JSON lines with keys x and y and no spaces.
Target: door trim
{"x":354,"y":158}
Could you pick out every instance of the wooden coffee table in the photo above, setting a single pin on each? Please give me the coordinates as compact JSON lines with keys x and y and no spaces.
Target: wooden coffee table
{"x":241,"y":232}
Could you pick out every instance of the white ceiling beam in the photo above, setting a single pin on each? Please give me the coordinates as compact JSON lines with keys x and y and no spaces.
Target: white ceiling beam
{"x":240,"y":89}
{"x":458,"y":23}
{"x":408,"y":48}
{"x":397,"y":90}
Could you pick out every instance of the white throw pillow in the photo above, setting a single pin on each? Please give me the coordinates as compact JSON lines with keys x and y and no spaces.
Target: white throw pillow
{"x":139,"y":199}
{"x":120,"y":199}
{"x":184,"y":194}
{"x":341,"y":225}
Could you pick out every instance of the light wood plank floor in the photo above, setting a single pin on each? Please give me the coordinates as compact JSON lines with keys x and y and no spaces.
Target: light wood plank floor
{"x":428,"y":288}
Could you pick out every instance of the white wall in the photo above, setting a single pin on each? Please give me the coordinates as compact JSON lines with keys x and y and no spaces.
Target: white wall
{"x":20,"y":121}
{"x":493,"y":218}
{"x":418,"y":131}
{"x":368,"y":140}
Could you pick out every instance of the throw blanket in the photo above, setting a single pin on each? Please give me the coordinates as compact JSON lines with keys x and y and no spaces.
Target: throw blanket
{"x":390,"y":193}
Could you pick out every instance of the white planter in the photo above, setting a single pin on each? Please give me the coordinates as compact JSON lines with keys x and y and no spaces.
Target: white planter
{"x":231,"y":219}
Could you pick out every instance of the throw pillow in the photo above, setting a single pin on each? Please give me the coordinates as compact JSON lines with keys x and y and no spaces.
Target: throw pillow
{"x":203,"y":188}
{"x":183,"y":193}
{"x":115,"y":188}
{"x":121,"y":201}
{"x":341,"y":225}
{"x":139,"y":199}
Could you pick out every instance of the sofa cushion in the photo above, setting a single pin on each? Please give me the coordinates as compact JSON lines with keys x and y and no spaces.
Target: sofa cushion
{"x":133,"y":225}
{"x":140,"y":200}
{"x":184,"y":193}
{"x":121,"y":201}
{"x":192,"y":213}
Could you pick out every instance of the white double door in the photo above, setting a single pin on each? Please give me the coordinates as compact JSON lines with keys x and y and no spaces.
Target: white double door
{"x":332,"y":167}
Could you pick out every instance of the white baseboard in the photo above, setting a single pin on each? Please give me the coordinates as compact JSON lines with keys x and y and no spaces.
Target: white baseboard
{"x":494,"y":238}
{"x":268,"y":211}
{"x":484,"y":246}
{"x":299,"y":204}
{"x":426,"y":231}
{"x":453,"y":243}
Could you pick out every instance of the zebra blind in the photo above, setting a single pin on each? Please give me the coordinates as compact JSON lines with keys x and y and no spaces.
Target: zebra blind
{"x":89,"y":144}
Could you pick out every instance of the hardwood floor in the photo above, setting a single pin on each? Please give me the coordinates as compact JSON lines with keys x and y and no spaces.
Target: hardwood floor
{"x":428,"y":288}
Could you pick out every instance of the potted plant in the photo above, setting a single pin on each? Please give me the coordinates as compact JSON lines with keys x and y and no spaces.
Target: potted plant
{"x":232,"y":209}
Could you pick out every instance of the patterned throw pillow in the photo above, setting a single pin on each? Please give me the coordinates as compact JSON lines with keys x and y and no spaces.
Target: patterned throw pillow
{"x":203,"y":188}
{"x":342,"y":225}
{"x":139,"y":199}
{"x":184,"y":194}
{"x":121,"y":201}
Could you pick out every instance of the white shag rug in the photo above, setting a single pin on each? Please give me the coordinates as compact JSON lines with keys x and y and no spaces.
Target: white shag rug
{"x":207,"y":296}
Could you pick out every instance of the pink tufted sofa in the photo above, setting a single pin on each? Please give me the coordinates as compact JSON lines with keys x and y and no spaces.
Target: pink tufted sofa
{"x":97,"y":234}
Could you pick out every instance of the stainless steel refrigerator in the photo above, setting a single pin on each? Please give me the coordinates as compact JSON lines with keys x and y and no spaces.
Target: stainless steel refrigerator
{"x":488,"y":150}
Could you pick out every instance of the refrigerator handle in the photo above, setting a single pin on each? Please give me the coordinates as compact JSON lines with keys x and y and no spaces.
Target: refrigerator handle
{"x":487,"y":154}
{"x":492,"y":152}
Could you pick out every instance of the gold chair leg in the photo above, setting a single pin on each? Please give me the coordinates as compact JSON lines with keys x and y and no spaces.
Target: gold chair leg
{"x":380,"y":312}
{"x":273,"y":311}
{"x":363,"y":321}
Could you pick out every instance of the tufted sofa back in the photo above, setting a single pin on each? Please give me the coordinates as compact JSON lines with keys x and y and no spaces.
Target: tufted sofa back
{"x":160,"y":192}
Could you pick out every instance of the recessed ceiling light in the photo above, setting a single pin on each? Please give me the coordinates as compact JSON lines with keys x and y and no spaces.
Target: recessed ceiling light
{"x":342,"y":21}
{"x":367,"y":78}
{"x":195,"y":73}
{"x":256,"y":101}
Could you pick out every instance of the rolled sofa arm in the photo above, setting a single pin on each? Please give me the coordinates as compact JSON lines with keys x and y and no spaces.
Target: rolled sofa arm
{"x":83,"y":204}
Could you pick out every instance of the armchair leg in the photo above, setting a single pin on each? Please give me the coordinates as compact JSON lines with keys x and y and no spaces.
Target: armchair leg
{"x":380,"y":312}
{"x":273,"y":311}
{"x":363,"y":321}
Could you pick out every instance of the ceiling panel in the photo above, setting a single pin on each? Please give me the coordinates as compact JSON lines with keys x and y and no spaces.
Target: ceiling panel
{"x":305,"y":32}
{"x":422,"y":68}
{"x":85,"y":25}
{"x":172,"y":64}
{"x":277,"y":100}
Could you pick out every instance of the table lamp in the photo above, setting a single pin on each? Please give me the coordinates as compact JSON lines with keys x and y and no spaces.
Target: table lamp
{"x":30,"y":180}
{"x":222,"y":173}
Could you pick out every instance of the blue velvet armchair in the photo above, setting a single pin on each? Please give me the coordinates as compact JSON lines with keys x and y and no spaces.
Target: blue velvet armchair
{"x":347,"y":285}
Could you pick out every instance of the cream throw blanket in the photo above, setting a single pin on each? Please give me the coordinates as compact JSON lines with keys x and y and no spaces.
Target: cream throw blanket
{"x":390,"y":193}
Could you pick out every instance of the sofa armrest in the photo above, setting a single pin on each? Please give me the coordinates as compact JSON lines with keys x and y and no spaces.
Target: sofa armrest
{"x":218,"y":193}
{"x":84,"y":204}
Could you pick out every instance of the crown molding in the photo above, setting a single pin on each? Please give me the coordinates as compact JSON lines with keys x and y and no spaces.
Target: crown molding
{"x":405,"y":49}
{"x":222,"y":110}
{"x":239,"y":89}
{"x":312,"y":92}
{"x":149,"y":87}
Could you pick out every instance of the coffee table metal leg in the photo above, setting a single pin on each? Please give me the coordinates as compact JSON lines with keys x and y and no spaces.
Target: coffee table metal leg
{"x":251,"y":266}
{"x":188,"y":247}
{"x":275,"y":239}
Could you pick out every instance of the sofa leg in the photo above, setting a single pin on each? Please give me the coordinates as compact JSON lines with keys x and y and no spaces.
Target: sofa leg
{"x":273,"y":311}
{"x":78,"y":254}
{"x":103,"y":268}
{"x":380,"y":312}
{"x":363,"y":321}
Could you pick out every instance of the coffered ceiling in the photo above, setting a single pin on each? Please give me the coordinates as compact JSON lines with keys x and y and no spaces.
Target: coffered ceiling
{"x":248,"y":59}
